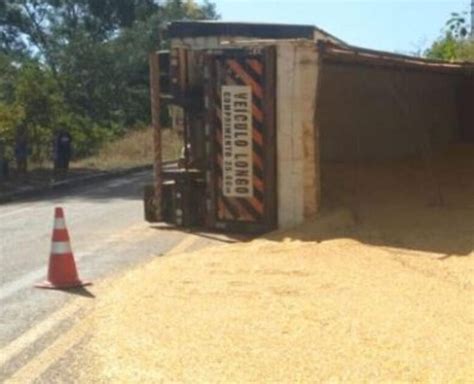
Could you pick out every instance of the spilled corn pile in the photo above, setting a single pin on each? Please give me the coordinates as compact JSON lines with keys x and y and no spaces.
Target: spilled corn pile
{"x":287,"y":309}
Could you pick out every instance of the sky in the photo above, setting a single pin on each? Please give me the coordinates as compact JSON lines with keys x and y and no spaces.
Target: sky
{"x":403,"y":26}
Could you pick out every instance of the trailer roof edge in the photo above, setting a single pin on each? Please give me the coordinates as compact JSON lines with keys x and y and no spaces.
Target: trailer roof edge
{"x":331,"y":51}
{"x":206,"y":28}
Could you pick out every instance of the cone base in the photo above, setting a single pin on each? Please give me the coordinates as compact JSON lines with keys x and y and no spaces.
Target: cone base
{"x":75,"y":284}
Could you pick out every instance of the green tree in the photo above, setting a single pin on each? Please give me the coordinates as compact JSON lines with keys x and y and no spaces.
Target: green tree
{"x":82,"y":64}
{"x":445,"y":48}
{"x":10,"y":117}
{"x":42,"y":103}
{"x":466,"y":51}
{"x":8,"y":72}
{"x":455,"y":43}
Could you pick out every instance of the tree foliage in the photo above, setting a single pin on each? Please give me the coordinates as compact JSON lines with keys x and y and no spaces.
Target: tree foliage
{"x":10,"y":115}
{"x":455,"y":43}
{"x":81,"y":65}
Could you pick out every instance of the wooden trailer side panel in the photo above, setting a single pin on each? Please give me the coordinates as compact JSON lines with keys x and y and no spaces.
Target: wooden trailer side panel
{"x":466,"y":108}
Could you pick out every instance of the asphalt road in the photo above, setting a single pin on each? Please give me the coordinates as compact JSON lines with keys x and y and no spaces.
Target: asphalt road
{"x":108,"y":235}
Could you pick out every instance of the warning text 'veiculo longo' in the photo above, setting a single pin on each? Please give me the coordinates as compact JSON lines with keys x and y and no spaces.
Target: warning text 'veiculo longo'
{"x":237,"y":141}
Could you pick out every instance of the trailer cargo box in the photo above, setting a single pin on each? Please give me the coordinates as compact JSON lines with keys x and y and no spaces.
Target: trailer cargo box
{"x":267,"y":112}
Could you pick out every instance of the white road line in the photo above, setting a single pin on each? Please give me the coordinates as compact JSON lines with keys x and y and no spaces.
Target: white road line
{"x":118,"y":183}
{"x":27,"y":280}
{"x":29,"y":337}
{"x":16,"y":211}
{"x":11,"y":288}
{"x":39,"y":364}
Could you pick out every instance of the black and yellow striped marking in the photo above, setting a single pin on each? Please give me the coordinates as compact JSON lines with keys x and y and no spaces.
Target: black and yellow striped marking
{"x":249,"y":72}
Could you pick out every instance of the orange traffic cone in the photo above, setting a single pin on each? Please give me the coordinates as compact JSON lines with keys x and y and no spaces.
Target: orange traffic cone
{"x":62,"y":271}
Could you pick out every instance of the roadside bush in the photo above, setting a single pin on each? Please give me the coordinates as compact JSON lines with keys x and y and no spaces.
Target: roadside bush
{"x":10,"y":118}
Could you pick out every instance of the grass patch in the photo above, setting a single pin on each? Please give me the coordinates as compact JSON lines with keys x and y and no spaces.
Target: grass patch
{"x":133,"y":149}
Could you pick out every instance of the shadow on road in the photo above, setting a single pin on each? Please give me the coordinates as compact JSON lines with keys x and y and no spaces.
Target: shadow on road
{"x":222,"y":237}
{"x":127,"y":187}
{"x":79,"y":291}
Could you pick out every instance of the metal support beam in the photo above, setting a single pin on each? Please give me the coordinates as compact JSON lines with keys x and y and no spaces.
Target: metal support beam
{"x":155,"y":118}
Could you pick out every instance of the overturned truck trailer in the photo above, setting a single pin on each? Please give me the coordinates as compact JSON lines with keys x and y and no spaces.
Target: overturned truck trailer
{"x":265,"y":109}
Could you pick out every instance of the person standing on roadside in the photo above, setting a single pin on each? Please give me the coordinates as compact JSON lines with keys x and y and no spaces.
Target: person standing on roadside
{"x":62,"y":152}
{"x":3,"y":162}
{"x":21,"y":153}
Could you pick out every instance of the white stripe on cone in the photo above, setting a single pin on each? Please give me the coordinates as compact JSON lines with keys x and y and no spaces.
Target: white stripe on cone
{"x":60,"y":247}
{"x":59,"y":223}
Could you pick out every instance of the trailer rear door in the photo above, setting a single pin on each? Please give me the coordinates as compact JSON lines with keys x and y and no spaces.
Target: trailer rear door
{"x":241,"y":142}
